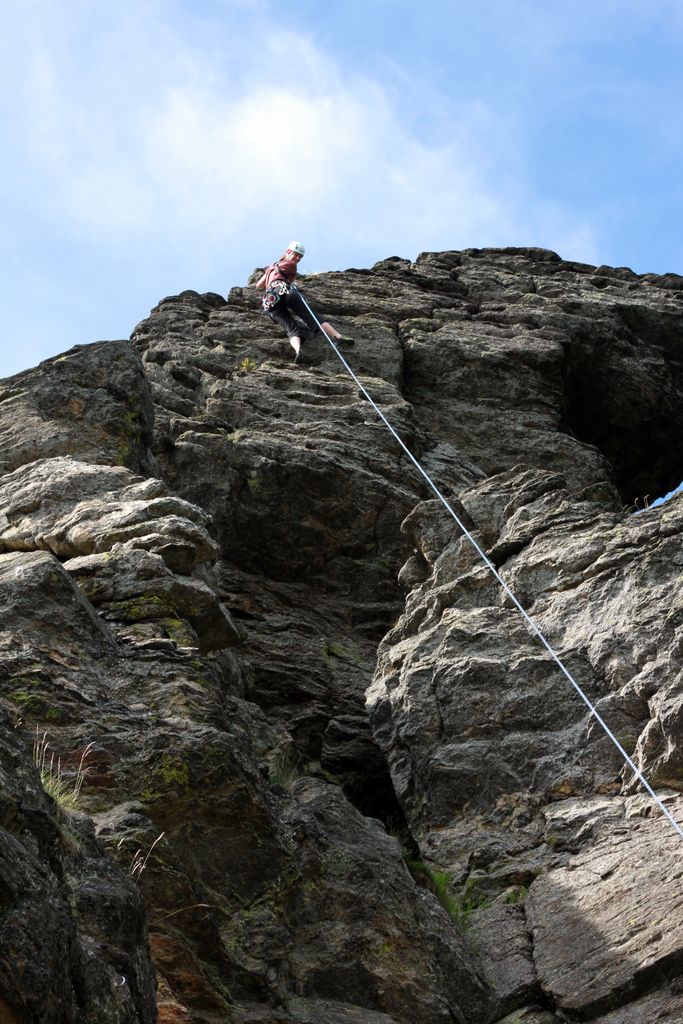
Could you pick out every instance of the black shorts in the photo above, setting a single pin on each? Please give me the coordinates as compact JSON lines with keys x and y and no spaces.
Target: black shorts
{"x":282,"y":312}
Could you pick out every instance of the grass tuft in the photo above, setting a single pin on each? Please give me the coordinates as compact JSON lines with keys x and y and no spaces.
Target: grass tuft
{"x":459,"y":906}
{"x":64,"y":790}
{"x":284,"y":768}
{"x":139,"y":862}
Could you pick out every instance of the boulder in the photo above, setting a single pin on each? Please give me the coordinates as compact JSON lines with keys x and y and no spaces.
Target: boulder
{"x":609,"y":924}
{"x":93,"y":403}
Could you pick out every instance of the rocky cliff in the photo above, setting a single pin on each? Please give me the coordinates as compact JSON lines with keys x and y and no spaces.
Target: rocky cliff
{"x":327,"y":774}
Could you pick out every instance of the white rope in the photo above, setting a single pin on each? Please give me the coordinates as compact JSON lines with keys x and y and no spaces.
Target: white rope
{"x":491,"y":567}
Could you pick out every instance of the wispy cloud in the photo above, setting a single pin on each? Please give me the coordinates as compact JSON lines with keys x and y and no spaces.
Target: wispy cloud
{"x":157,"y":133}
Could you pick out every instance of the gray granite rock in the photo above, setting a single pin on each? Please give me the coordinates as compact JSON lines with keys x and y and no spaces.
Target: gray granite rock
{"x":609,"y":924}
{"x":201,"y":550}
{"x":589,"y":579}
{"x":499,"y":934}
{"x":93,"y":403}
{"x":311,"y":1011}
{"x":72,"y":924}
{"x":662,"y":1007}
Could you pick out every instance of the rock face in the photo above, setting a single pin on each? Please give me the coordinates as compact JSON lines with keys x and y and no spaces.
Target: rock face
{"x":330,"y":775}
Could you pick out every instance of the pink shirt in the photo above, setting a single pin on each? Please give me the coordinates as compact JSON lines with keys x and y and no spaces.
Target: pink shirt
{"x":284,"y":269}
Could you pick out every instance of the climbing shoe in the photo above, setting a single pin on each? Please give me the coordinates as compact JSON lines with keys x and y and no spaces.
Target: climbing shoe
{"x":346,"y":341}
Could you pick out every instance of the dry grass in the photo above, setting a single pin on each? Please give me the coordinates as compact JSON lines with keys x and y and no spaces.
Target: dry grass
{"x":64,"y":789}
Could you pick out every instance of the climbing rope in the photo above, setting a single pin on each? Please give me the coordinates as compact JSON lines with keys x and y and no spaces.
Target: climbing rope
{"x":492,"y":569}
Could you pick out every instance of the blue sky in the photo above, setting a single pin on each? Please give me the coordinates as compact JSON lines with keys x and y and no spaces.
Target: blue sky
{"x":148,"y":146}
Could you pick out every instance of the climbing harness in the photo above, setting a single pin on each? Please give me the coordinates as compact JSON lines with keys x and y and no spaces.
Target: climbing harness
{"x":492,"y":569}
{"x":277,"y":291}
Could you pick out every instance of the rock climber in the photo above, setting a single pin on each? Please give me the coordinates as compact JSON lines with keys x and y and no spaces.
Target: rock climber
{"x":281,"y":300}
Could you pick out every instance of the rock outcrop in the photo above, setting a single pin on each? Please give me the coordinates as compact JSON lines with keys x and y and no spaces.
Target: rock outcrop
{"x":330,"y":775}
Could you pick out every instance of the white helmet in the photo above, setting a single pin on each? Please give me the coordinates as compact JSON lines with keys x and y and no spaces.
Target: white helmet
{"x":296,"y":247}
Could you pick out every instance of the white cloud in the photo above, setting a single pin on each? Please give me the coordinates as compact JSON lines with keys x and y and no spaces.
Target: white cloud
{"x":148,"y":137}
{"x":244,"y":155}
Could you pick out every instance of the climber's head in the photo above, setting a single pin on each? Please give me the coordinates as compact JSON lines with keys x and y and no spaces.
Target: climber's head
{"x":295,"y":250}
